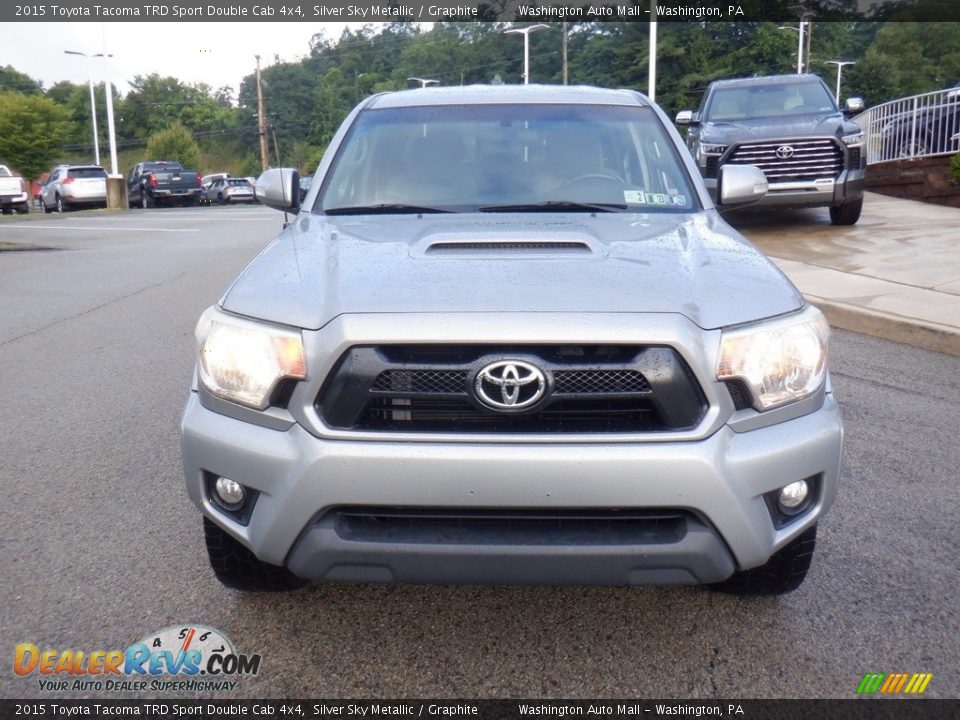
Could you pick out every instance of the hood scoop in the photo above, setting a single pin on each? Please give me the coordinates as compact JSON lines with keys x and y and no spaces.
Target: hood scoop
{"x":506,"y":248}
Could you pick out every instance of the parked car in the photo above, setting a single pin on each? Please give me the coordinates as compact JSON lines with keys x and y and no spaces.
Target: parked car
{"x":207,"y":180}
{"x":790,"y":127}
{"x":161,"y":182}
{"x":14,"y":192}
{"x":511,"y":340}
{"x":73,"y":186}
{"x":230,"y":190}
{"x":930,"y":128}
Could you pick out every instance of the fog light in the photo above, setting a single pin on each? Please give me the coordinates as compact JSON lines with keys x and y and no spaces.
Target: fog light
{"x":230,"y":493}
{"x":793,"y":496}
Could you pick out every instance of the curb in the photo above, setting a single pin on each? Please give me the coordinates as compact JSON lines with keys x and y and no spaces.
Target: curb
{"x":916,"y":333}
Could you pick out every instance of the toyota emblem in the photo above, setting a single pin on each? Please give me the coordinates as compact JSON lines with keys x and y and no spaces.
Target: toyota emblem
{"x":509,"y":385}
{"x":784,"y":152}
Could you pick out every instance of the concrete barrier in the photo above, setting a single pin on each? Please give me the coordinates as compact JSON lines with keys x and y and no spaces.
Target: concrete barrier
{"x":117,"y":193}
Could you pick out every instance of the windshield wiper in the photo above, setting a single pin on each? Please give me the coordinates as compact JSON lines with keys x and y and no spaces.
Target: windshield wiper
{"x":383,"y":209}
{"x":555,"y":206}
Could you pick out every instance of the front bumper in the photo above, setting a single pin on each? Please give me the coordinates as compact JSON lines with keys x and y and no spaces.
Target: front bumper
{"x":847,"y":187}
{"x":720,"y":480}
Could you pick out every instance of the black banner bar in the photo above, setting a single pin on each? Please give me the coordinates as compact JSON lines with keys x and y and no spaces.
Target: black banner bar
{"x":856,"y":709}
{"x":477,"y":10}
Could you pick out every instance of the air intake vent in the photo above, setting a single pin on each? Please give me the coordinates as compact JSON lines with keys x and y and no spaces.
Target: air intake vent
{"x":499,"y":246}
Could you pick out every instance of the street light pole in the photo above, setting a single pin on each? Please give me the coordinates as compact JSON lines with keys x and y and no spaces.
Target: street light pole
{"x":652,"y":65}
{"x":427,"y":81}
{"x":806,"y":16}
{"x":799,"y":46}
{"x":840,"y":65}
{"x":111,"y":129}
{"x":93,"y":102}
{"x":526,"y":46}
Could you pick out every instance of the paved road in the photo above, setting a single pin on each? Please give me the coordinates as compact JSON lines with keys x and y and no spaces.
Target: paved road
{"x":100,"y":544}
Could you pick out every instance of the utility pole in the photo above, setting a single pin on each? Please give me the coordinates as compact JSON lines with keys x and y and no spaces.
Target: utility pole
{"x":564,"y":53}
{"x":261,"y":118}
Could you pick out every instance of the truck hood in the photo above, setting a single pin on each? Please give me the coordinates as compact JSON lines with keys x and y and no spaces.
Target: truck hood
{"x":321,"y":267}
{"x":776,"y":128}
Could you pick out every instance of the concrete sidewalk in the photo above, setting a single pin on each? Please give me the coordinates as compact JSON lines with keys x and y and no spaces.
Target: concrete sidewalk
{"x":895,"y":274}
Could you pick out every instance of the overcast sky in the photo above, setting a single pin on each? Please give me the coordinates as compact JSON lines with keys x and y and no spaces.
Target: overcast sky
{"x":215,"y":53}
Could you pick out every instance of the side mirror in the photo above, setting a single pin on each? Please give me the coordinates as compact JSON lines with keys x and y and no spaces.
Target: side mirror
{"x":279,"y":188}
{"x":685,"y":117}
{"x":740,"y":185}
{"x":853,"y":106}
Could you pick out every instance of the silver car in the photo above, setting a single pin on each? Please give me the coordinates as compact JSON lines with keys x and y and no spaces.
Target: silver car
{"x":510,"y":339}
{"x":73,"y":186}
{"x":228,"y":190}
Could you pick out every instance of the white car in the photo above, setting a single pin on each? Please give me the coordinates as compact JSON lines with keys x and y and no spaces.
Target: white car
{"x":71,"y":186}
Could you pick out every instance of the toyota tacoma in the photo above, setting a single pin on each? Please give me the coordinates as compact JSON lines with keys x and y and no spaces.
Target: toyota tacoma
{"x":790,"y":127}
{"x":508,"y":338}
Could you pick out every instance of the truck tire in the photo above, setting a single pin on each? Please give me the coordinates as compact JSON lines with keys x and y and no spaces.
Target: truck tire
{"x":782,"y":573}
{"x":238,"y":568}
{"x":846,"y":214}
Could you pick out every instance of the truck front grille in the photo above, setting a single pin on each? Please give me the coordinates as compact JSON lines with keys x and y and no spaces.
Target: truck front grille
{"x":809,"y":159}
{"x":455,"y":526}
{"x":588,"y":389}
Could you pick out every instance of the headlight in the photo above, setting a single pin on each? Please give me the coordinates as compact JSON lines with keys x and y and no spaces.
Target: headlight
{"x":242,"y":360}
{"x":855,"y":139}
{"x":780,"y":361}
{"x":704,"y":149}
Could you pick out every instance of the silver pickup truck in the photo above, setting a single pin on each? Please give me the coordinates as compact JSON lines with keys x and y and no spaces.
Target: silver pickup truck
{"x":508,"y":338}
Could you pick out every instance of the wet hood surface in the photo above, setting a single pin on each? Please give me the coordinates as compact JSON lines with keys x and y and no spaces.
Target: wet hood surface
{"x":695,"y":265}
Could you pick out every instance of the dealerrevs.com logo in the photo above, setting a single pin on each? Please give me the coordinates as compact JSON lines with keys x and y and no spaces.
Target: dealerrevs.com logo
{"x":178,"y":658}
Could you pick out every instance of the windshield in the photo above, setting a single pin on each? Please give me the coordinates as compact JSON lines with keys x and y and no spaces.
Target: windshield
{"x":769,"y":100}
{"x":507,"y":157}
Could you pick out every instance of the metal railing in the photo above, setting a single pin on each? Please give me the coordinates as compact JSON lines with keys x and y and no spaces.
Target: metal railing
{"x":913,"y":127}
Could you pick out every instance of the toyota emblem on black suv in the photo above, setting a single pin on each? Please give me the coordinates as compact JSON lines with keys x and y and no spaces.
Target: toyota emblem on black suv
{"x":510,"y":385}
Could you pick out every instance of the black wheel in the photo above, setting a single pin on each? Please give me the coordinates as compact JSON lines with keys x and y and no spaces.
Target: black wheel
{"x":23,"y":209}
{"x":782,"y":573}
{"x":238,"y":568}
{"x":846,"y":214}
{"x":59,"y":204}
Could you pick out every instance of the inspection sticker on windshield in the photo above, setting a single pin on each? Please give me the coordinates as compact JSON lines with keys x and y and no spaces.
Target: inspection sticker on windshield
{"x":639,"y":197}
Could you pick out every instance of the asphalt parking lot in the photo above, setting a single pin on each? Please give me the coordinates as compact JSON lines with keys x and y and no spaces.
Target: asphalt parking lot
{"x":101,"y":545}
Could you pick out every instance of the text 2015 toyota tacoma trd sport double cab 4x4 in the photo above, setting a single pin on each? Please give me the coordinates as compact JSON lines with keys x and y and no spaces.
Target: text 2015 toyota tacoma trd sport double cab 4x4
{"x":509,"y":339}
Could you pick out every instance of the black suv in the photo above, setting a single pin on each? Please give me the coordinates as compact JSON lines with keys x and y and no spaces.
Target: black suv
{"x":791,"y":128}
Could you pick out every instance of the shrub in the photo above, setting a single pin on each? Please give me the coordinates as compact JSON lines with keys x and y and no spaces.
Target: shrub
{"x":955,"y":167}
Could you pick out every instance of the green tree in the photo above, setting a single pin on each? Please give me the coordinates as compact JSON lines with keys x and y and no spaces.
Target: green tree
{"x":174,"y":143}
{"x":16,"y":81}
{"x":33,"y":129}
